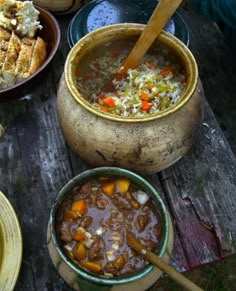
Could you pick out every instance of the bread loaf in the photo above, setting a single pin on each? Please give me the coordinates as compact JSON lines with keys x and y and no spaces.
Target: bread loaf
{"x":21,"y":51}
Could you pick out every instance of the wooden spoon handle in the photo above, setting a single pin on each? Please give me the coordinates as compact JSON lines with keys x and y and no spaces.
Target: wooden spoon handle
{"x":176,"y":276}
{"x":162,"y":265}
{"x":162,"y":13}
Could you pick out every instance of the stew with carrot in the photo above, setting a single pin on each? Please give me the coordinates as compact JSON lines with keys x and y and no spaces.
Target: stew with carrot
{"x":92,"y":221}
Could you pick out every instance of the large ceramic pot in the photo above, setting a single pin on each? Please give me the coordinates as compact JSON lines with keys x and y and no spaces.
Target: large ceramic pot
{"x":145,"y":144}
{"x":78,"y":278}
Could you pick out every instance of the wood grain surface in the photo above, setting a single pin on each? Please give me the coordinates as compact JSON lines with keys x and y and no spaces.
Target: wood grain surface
{"x":199,"y":190}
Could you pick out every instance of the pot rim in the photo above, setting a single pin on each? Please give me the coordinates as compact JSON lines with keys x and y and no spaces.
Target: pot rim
{"x":138,"y":180}
{"x":135,"y":28}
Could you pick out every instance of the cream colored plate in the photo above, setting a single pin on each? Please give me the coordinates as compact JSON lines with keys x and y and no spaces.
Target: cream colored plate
{"x":10,"y":245}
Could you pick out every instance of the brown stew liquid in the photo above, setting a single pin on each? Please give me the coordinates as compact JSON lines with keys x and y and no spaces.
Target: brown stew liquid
{"x":92,"y":223}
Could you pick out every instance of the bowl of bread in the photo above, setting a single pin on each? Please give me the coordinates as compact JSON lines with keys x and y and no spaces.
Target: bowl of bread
{"x":29,"y":39}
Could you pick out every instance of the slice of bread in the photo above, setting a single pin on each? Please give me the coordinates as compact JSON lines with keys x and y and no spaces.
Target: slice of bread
{"x":24,"y":58}
{"x":38,"y":56}
{"x":9,"y":65}
{"x":4,"y":41}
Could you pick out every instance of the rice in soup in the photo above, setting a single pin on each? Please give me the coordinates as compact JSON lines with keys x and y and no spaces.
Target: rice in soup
{"x":155,"y":85}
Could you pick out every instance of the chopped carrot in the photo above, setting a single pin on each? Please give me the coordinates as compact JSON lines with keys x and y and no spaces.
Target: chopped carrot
{"x":103,"y":108}
{"x":91,"y":266}
{"x":79,"y":235}
{"x":108,"y":188}
{"x":123,"y":185}
{"x":79,"y":206}
{"x":119,"y":262}
{"x":70,"y":215}
{"x":79,"y":251}
{"x":144,"y":96}
{"x":145,"y":106}
{"x":114,"y":52}
{"x":166,"y":71}
{"x":109,"y":102}
{"x":149,"y":65}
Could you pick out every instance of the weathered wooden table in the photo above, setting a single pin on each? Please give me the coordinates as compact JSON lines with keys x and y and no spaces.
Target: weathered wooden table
{"x":199,"y":190}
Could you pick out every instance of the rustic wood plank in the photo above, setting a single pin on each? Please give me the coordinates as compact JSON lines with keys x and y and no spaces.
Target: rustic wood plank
{"x":217,"y":69}
{"x":202,"y":190}
{"x":178,"y":257}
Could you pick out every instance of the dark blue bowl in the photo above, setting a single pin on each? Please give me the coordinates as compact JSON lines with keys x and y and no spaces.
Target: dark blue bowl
{"x":98,"y":13}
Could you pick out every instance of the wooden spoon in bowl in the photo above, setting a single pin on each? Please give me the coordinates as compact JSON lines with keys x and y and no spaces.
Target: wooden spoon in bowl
{"x":162,"y":265}
{"x":160,"y":16}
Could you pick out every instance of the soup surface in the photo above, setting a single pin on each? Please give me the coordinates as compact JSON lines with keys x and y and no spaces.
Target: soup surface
{"x":92,"y":221}
{"x":156,"y":84}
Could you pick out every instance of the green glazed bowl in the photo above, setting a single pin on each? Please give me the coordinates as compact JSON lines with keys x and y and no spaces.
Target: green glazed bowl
{"x":77,"y":277}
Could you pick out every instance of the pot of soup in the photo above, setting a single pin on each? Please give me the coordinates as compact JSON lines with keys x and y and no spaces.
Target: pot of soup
{"x":152,"y":117}
{"x":87,"y":230}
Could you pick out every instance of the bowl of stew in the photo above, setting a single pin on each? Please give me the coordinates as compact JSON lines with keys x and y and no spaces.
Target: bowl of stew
{"x":151,"y":119}
{"x":87,"y":230}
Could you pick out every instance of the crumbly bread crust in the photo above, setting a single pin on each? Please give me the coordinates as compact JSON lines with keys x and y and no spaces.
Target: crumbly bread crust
{"x":9,"y":65}
{"x":38,"y":56}
{"x":4,"y":41}
{"x":24,"y":58}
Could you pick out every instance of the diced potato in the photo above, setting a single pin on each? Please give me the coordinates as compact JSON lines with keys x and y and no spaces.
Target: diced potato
{"x":123,"y":185}
{"x":79,"y":206}
{"x":91,"y":266}
{"x":115,"y":245}
{"x":108,"y":188}
{"x":88,"y":242}
{"x":70,"y":215}
{"x":119,"y":262}
{"x":110,"y":255}
{"x":79,"y":251}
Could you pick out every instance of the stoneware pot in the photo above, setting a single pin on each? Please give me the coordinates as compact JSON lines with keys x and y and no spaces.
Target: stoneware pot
{"x":142,"y":144}
{"x":79,"y":279}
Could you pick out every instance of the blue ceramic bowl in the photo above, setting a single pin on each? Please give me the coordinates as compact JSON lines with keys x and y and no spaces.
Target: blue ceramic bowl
{"x":77,"y":277}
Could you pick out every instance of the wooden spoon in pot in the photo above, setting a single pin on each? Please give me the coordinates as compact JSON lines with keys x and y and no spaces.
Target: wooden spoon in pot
{"x":160,"y":16}
{"x":162,"y":265}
